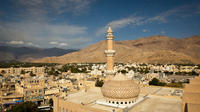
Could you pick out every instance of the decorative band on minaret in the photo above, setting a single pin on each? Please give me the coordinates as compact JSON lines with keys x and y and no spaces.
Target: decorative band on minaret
{"x":110,"y":52}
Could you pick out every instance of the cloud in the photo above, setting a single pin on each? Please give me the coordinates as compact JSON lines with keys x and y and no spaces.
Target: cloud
{"x":41,"y":33}
{"x":35,"y":21}
{"x":20,"y":43}
{"x":53,"y":43}
{"x":181,"y":11}
{"x":32,"y":45}
{"x":45,"y":7}
{"x":144,"y":30}
{"x":58,"y":43}
{"x":163,"y":32}
{"x":117,"y":24}
{"x":16,"y":42}
{"x":62,"y":44}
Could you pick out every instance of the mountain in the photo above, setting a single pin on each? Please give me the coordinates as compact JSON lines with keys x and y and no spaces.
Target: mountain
{"x":11,"y":53}
{"x":154,"y":49}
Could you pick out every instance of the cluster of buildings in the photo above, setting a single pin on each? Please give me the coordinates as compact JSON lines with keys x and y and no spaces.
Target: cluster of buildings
{"x":171,"y":68}
{"x":146,"y":72}
{"x":21,"y":70}
{"x":18,"y":87}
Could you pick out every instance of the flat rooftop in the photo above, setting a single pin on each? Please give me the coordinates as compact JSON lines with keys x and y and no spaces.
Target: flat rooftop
{"x":159,"y":99}
{"x":89,"y":98}
{"x":158,"y":104}
{"x":85,"y":97}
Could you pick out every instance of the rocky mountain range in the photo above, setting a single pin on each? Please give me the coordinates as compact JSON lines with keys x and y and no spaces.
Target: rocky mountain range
{"x":154,"y":49}
{"x":13,"y":53}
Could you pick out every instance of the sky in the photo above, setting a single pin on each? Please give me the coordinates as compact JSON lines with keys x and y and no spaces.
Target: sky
{"x":80,"y":23}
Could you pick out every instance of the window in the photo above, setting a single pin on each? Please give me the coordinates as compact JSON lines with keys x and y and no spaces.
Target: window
{"x":125,"y":102}
{"x":129,"y":102}
{"x":27,"y":93}
{"x":121,"y":102}
{"x":109,"y":101}
{"x":40,"y":91}
{"x":113,"y":102}
{"x":117,"y":102}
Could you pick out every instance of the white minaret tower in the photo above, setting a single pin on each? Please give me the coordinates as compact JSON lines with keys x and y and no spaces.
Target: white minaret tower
{"x":110,"y":52}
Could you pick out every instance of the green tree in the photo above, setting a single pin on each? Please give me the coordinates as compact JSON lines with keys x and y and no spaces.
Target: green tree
{"x":31,"y":74}
{"x":24,"y":107}
{"x":51,"y":102}
{"x":22,"y":72}
{"x":178,"y":85}
{"x":3,"y":71}
{"x":99,"y":83}
{"x":53,"y":72}
{"x":154,"y":81}
{"x":46,"y":69}
{"x":123,"y":71}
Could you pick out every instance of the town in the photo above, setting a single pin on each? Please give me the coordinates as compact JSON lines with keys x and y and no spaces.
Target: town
{"x":40,"y":82}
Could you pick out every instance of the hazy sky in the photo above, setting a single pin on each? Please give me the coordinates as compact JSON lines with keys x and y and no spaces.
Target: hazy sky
{"x":79,"y":23}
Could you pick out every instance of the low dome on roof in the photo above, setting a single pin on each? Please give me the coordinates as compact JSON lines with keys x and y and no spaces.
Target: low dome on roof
{"x":120,"y":87}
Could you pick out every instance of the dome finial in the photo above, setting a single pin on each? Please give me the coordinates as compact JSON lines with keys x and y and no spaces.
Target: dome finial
{"x":109,"y":29}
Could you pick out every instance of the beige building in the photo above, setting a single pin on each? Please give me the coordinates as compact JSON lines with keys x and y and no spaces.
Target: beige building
{"x":32,"y":89}
{"x":186,"y":68}
{"x":191,"y":96}
{"x":8,"y":95}
{"x":50,"y":92}
{"x":11,"y":70}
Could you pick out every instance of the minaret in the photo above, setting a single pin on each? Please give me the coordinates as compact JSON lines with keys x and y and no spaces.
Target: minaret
{"x":110,"y":52}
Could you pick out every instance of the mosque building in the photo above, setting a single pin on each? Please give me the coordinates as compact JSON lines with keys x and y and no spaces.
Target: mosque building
{"x":119,"y":89}
{"x":118,"y":92}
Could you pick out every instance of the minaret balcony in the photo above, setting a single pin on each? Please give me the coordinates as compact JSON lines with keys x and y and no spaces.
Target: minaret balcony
{"x":110,"y":52}
{"x":109,"y":37}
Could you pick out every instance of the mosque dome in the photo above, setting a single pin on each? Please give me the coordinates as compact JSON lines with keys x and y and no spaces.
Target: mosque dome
{"x":120,"y":88}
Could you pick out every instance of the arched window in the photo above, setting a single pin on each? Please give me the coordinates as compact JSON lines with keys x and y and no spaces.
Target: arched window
{"x":129,"y":102}
{"x":125,"y":102}
{"x":117,"y":102}
{"x":121,"y":102}
{"x":113,"y":102}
